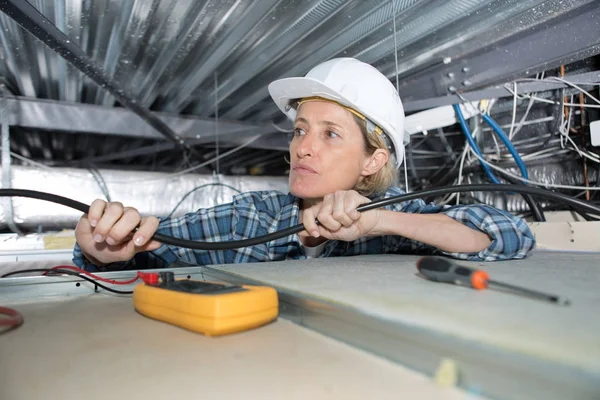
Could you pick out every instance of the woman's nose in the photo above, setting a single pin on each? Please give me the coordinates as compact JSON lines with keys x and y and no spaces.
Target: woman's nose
{"x":306,"y":147}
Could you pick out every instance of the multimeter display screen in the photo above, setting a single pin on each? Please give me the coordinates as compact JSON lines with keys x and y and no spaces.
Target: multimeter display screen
{"x":200,"y":287}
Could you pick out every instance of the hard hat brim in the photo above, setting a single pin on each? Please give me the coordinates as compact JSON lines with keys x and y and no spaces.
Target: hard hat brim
{"x":283,"y":91}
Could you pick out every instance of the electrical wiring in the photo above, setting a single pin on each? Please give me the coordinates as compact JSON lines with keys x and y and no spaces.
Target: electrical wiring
{"x":280,"y":129}
{"x":525,"y":123}
{"x":546,"y":153}
{"x":514,"y":112}
{"x":93,"y":276}
{"x":564,"y":130}
{"x":446,"y":144}
{"x":234,"y":244}
{"x":536,"y":155}
{"x":496,"y":145}
{"x":534,"y":206}
{"x":552,"y":185}
{"x":529,"y":144}
{"x":195,"y":167}
{"x":68,"y":272}
{"x":565,"y":81}
{"x":573,"y":85}
{"x":513,"y":130}
{"x":466,"y":131}
{"x":460,"y":170}
{"x":526,"y":96}
{"x":14,"y":317}
{"x":198,"y":188}
{"x":167,"y":176}
{"x":522,"y":121}
{"x":101,"y":182}
{"x":437,"y":182}
{"x":490,"y":121}
{"x":511,"y":149}
{"x":448,"y":172}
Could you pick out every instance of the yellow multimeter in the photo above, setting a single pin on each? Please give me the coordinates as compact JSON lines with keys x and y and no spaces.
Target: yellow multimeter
{"x":209,"y":308}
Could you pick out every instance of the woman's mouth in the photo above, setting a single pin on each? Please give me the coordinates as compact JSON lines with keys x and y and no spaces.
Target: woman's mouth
{"x":304,"y":170}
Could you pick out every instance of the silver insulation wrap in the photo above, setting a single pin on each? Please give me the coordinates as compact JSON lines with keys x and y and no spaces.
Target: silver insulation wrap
{"x":152,"y":193}
{"x":564,"y":173}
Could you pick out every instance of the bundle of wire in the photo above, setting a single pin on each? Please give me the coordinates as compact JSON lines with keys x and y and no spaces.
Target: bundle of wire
{"x":80,"y":273}
{"x":196,"y":245}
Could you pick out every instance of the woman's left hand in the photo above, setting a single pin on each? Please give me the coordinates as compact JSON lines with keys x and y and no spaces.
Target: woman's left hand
{"x":338,"y":218}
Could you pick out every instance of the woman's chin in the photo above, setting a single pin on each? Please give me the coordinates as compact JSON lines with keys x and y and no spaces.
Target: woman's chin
{"x":304,"y":191}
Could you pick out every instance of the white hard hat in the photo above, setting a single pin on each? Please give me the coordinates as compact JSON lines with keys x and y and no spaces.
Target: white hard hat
{"x":351,"y":83}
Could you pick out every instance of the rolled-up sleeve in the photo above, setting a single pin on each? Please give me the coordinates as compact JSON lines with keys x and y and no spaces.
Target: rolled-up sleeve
{"x":510,"y":235}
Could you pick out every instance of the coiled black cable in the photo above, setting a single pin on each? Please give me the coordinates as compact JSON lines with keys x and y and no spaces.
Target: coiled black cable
{"x":234,"y":244}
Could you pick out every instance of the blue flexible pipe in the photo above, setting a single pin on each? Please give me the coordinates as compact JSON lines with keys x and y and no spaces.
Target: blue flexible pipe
{"x":508,"y":145}
{"x":467,"y":132}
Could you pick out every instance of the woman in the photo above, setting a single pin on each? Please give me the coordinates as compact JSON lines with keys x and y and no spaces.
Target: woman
{"x":347,"y":145}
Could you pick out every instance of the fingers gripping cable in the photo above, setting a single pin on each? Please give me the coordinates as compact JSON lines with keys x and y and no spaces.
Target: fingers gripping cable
{"x":571,"y":201}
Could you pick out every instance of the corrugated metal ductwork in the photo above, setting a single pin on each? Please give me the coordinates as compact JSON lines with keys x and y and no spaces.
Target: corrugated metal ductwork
{"x":214,"y":59}
{"x":151,"y":193}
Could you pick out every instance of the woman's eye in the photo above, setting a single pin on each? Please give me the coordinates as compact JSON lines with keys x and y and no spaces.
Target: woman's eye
{"x":298,"y":132}
{"x":332,"y":134}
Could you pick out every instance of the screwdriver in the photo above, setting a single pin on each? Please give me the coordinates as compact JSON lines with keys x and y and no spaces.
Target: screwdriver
{"x":440,"y":269}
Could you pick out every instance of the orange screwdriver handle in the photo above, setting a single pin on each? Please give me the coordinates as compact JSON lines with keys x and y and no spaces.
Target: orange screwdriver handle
{"x":440,"y":269}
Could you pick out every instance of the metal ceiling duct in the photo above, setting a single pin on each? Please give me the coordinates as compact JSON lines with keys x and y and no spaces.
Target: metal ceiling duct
{"x":192,"y":56}
{"x":213,"y":59}
{"x":157,"y":194}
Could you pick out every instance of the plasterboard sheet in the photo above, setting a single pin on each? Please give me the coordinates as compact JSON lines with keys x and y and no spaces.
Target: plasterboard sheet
{"x":388,"y":287}
{"x":98,"y":347}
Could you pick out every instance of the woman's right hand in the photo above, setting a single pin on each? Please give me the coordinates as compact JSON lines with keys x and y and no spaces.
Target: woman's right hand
{"x":105,"y":234}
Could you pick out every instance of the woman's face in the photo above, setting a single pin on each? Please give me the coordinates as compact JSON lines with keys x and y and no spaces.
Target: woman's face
{"x":327,"y":151}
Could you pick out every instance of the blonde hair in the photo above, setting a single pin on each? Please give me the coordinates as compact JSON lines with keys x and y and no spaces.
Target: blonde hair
{"x":387,"y":175}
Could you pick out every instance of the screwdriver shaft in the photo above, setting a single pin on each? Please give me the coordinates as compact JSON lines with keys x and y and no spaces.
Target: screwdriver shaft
{"x":532,"y":293}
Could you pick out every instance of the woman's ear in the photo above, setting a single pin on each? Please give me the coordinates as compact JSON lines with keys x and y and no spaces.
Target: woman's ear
{"x":375,"y":162}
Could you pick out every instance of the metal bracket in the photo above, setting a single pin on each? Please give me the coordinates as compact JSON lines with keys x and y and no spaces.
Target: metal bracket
{"x":6,"y":161}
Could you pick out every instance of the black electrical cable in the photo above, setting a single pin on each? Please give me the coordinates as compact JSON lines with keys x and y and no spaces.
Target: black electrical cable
{"x":534,"y":206}
{"x":198,"y":188}
{"x":563,"y":207}
{"x":234,"y":244}
{"x":67,"y":272}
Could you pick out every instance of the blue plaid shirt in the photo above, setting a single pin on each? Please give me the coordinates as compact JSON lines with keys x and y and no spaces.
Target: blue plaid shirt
{"x":259,"y":213}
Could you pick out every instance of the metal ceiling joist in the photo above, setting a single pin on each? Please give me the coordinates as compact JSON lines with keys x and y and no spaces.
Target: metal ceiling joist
{"x":38,"y":25}
{"x":584,"y":79}
{"x":85,"y":118}
{"x":571,"y":36}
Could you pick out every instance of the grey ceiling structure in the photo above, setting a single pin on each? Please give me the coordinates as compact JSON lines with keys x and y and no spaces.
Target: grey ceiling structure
{"x":202,"y":67}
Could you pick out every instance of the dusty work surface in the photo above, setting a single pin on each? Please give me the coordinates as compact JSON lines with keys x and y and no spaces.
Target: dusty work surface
{"x":387,"y":286}
{"x":98,"y":347}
